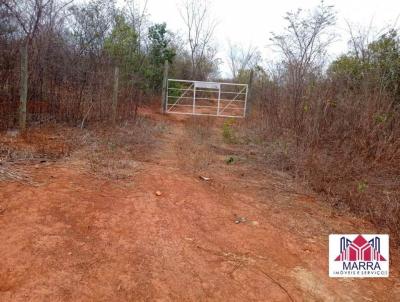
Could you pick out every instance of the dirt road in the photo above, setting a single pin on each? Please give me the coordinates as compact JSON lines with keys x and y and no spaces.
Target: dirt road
{"x":246,"y":234}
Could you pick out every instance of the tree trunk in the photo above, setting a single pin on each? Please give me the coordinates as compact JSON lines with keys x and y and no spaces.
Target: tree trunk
{"x":115,"y":95}
{"x":23,"y":93}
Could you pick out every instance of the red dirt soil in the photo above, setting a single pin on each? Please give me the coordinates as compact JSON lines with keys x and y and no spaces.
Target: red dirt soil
{"x":77,"y":237}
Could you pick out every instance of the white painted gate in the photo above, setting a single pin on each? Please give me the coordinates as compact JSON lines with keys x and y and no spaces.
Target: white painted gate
{"x":206,"y":98}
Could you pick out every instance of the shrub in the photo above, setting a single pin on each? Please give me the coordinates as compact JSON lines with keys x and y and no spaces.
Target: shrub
{"x":228,"y":132}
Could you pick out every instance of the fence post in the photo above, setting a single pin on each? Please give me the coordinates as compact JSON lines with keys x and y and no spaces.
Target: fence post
{"x":164,"y":92}
{"x":115,"y":95}
{"x":249,"y":93}
{"x":194,"y":99}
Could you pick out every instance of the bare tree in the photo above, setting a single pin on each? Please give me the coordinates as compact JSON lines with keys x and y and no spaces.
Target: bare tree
{"x":303,"y":45}
{"x":89,"y":25}
{"x":361,"y":37}
{"x":200,"y":28}
{"x":242,"y":58}
{"x":359,"y":40}
{"x":28,"y":15}
{"x":137,"y":15}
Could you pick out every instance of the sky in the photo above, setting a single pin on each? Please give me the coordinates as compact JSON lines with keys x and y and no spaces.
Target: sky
{"x":248,"y":22}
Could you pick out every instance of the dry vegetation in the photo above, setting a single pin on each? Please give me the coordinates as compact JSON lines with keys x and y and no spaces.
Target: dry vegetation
{"x":335,"y":127}
{"x":111,"y":152}
{"x":342,"y":148}
{"x":116,"y":153}
{"x":195,"y":145}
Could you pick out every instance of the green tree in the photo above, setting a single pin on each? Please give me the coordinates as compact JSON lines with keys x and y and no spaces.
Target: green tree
{"x":349,"y":69}
{"x":121,"y":45}
{"x":385,"y":59}
{"x":379,"y":66}
{"x":160,"y":51}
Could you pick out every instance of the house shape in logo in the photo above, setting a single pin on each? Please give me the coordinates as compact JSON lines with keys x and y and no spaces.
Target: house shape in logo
{"x":360,"y":249}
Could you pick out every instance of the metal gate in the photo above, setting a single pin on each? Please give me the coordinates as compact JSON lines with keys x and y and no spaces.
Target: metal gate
{"x":206,"y":98}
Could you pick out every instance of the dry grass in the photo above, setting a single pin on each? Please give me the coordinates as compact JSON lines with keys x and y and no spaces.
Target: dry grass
{"x":37,"y":145}
{"x":49,"y":143}
{"x":110,"y":152}
{"x":116,"y":152}
{"x":9,"y":173}
{"x":195,"y":144}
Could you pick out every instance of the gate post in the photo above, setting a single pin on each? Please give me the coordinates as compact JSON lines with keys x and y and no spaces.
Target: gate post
{"x":194,"y":99}
{"x":249,"y":93}
{"x":164,"y":92}
{"x":219,"y":100}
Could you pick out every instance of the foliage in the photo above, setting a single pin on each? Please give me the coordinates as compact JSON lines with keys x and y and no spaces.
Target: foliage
{"x":160,"y":51}
{"x":349,"y":68}
{"x":381,"y":64}
{"x":230,"y":160}
{"x":121,"y":45}
{"x":175,"y":89}
{"x":362,"y":186}
{"x":228,"y":132}
{"x":385,"y":59}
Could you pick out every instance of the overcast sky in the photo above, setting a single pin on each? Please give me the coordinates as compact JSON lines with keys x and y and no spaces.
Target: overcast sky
{"x":251,"y":21}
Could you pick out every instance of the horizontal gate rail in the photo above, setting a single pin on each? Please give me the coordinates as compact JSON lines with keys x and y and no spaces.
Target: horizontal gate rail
{"x":210,"y":99}
{"x":199,"y":90}
{"x":222,"y":83}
